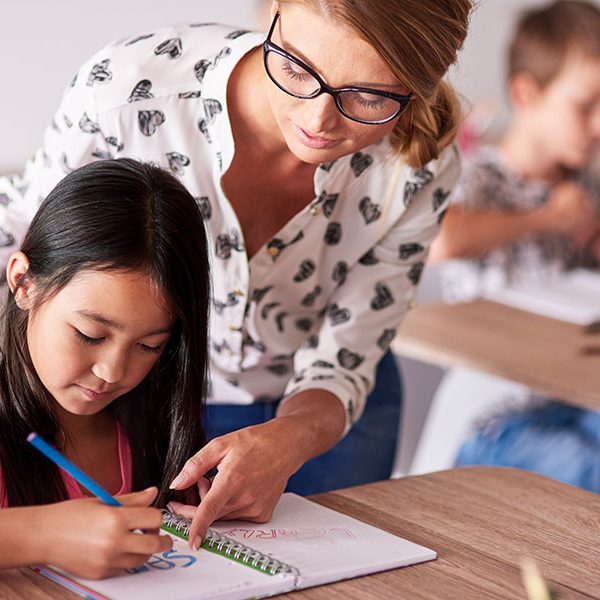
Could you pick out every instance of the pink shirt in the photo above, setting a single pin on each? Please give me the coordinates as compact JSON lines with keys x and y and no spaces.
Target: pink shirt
{"x":72,"y":487}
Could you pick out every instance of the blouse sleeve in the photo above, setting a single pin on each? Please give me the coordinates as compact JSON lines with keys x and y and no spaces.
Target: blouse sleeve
{"x":362,"y":316}
{"x":72,"y":139}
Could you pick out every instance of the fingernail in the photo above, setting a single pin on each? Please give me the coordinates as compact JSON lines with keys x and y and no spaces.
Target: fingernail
{"x":178,"y":480}
{"x":171,"y":507}
{"x":197,"y":542}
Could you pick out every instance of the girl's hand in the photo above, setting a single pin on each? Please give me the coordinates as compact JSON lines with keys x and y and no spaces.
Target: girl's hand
{"x":90,"y":539}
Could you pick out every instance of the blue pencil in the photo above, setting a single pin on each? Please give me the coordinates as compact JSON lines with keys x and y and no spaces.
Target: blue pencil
{"x":66,"y":465}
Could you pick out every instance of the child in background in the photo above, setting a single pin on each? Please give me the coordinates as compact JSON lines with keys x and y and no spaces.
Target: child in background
{"x":104,"y":354}
{"x":527,"y":210}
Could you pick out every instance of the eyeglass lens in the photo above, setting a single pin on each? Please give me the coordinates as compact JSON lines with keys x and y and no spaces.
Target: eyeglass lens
{"x":295,"y":80}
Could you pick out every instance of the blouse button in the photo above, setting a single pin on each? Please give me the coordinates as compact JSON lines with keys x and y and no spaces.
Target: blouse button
{"x":412,"y":304}
{"x":273,"y":251}
{"x":314,"y":211}
{"x":238,"y":292}
{"x":233,"y":327}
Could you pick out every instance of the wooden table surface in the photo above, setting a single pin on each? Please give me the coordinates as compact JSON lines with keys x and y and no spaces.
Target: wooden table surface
{"x":480,"y":520}
{"x":549,"y":356}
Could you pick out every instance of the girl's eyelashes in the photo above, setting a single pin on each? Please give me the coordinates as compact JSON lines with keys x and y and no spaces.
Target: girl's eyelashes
{"x":151,"y":349}
{"x":91,"y":341}
{"x":86,"y":339}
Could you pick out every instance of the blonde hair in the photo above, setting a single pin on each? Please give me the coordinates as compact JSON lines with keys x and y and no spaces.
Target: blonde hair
{"x":418,"y":40}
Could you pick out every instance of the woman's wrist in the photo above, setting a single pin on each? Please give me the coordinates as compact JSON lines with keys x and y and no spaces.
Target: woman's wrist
{"x":318,"y":420}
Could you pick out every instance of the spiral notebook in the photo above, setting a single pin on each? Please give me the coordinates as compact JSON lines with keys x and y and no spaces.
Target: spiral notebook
{"x":303,"y":545}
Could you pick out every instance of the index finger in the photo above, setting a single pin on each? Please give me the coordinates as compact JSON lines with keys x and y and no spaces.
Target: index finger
{"x":208,"y":511}
{"x":196,"y":467}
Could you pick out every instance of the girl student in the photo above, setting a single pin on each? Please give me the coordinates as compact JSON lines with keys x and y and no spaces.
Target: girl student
{"x":104,"y":353}
{"x":321,"y":156}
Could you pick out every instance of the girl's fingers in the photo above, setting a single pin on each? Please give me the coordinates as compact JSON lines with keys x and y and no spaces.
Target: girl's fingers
{"x":146,"y":544}
{"x":142,"y":498}
{"x":182,"y":510}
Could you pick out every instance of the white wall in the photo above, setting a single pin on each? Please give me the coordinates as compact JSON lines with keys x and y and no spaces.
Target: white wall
{"x":43,"y":42}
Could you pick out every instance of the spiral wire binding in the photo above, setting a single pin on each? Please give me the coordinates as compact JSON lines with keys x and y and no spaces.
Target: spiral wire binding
{"x":221,"y":544}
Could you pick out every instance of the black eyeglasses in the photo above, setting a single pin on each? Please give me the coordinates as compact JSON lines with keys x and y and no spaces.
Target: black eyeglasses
{"x":364,"y":105}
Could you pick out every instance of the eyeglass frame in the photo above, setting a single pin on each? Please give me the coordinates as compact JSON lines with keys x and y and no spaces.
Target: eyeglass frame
{"x":269,"y":46}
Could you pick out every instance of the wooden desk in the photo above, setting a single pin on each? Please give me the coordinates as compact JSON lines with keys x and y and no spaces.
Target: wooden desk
{"x":546,"y":355}
{"x":480,"y":520}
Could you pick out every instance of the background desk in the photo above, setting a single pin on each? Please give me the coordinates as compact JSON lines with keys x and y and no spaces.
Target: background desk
{"x":480,"y":520}
{"x":544,"y":354}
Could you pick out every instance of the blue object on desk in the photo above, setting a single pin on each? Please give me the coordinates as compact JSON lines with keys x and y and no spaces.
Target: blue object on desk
{"x":66,"y":465}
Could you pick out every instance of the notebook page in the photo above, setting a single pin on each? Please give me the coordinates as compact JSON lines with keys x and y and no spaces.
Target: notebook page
{"x":323,"y":544}
{"x":573,"y":297}
{"x":182,"y":574}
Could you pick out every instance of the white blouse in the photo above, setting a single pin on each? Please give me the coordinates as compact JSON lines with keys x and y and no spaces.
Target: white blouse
{"x":319,"y":303}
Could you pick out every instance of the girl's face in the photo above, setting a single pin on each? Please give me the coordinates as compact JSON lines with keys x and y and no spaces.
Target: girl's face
{"x":97,"y":338}
{"x":313,"y":129}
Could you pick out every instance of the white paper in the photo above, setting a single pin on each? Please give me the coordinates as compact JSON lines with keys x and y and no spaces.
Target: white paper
{"x":573,"y":297}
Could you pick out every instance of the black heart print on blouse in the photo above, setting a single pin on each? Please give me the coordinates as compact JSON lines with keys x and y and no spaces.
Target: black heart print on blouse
{"x":267,"y":308}
{"x":248,"y":340}
{"x":101,"y":154}
{"x":339,"y":272}
{"x":349,"y":360}
{"x":6,"y":238}
{"x":360,"y":162}
{"x":368,"y":258}
{"x":234,"y":35}
{"x":385,"y":339}
{"x":322,"y":364}
{"x":172,"y":48}
{"x":420,"y":178}
{"x":141,"y":91}
{"x":439,"y":197}
{"x":338,"y":315}
{"x":369,"y":210}
{"x":415,"y":272}
{"x":383,"y":297}
{"x":114,"y":142}
{"x":312,"y":342}
{"x":279,"y":370}
{"x":203,"y":203}
{"x":333,"y":234}
{"x":139,"y":38}
{"x":177,"y":162}
{"x":310,"y":298}
{"x":305,"y":270}
{"x":87,"y":125}
{"x":259,"y":293}
{"x":407,"y":250}
{"x":303,"y":324}
{"x":150,"y":120}
{"x":100,"y":73}
{"x":279,"y":321}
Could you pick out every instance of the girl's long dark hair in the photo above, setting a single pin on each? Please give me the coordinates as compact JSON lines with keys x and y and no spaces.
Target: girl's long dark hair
{"x":112,"y":215}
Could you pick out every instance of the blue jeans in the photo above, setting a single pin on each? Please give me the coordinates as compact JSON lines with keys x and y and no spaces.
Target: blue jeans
{"x":365,"y":454}
{"x":553,"y":439}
